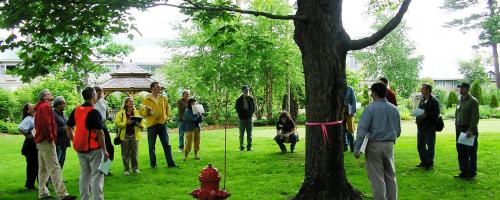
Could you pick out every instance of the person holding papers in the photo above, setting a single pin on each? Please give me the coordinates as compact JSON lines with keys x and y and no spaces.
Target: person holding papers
{"x":466,"y":120}
{"x":88,"y":141}
{"x":129,"y":131}
{"x":380,"y":121}
{"x":191,"y":122}
{"x":426,"y":130}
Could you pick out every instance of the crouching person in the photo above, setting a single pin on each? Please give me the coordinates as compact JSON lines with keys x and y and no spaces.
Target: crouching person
{"x":88,"y":141}
{"x":286,"y":132}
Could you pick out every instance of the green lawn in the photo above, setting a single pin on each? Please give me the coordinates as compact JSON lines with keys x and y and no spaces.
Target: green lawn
{"x":266,"y":174}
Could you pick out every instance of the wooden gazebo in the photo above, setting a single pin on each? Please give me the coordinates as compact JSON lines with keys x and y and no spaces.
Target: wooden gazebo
{"x":130,"y":79}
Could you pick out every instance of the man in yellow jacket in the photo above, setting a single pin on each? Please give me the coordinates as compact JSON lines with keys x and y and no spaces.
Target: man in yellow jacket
{"x":156,"y":110}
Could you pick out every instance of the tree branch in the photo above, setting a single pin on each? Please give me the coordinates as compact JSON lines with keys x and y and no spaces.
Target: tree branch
{"x":377,"y":36}
{"x":230,"y":9}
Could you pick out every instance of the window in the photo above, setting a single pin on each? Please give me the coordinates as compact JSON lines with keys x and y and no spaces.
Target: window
{"x":3,"y":68}
{"x":440,"y":83}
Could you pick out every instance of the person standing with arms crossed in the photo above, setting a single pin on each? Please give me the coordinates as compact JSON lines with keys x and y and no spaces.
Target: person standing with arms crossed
{"x":156,"y":110}
{"x":182,"y":104}
{"x":245,"y":107}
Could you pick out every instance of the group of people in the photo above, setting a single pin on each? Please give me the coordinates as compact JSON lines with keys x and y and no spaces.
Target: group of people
{"x":380,"y":126}
{"x":48,"y":133}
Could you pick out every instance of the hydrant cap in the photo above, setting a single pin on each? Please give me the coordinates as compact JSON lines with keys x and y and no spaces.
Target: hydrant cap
{"x":209,"y":174}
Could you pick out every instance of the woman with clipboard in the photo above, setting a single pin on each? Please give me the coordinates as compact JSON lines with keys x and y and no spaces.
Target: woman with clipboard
{"x":130,"y":125}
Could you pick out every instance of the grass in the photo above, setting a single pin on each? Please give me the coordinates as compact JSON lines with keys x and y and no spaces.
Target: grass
{"x":266,"y":174}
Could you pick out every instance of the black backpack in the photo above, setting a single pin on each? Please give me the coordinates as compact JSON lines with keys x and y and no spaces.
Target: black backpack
{"x":439,"y":124}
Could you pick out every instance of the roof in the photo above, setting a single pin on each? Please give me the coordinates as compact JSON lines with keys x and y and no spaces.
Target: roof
{"x":130,"y":77}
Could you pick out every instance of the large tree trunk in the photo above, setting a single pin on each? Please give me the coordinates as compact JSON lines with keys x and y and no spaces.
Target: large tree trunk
{"x":491,"y":7}
{"x":322,"y":41}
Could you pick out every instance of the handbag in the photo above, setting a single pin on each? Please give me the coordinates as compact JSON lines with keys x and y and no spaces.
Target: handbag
{"x":117,"y":140}
{"x":439,"y":125}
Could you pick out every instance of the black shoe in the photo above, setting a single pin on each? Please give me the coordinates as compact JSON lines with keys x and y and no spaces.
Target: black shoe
{"x":154,"y":166}
{"x":242,"y":148}
{"x":420,"y":165}
{"x":429,"y":167}
{"x":249,"y":149}
{"x":69,"y":197}
{"x":292,"y":151}
{"x":461,"y":176}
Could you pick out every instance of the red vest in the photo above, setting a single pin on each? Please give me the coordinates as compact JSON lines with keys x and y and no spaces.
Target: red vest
{"x":84,"y":140}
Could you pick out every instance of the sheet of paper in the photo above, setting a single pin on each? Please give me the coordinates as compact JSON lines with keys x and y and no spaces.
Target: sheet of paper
{"x":198,"y":108}
{"x":363,"y":145}
{"x":417,"y":112}
{"x":105,"y":166}
{"x":463,"y":139}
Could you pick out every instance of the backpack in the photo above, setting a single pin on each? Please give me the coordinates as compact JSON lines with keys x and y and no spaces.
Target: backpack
{"x":439,"y":125}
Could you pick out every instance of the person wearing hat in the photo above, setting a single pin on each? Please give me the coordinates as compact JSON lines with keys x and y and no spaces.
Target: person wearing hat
{"x":466,"y":120}
{"x":245,"y":107}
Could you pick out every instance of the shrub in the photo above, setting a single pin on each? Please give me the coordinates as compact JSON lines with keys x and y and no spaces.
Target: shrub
{"x":404,"y":113}
{"x":452,"y":99}
{"x":493,"y":101}
{"x":366,"y":97}
{"x":477,"y":92}
{"x":449,"y":113}
{"x":8,"y":127}
{"x":8,"y":105}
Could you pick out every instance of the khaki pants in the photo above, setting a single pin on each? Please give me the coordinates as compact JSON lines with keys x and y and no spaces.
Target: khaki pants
{"x":48,"y":166}
{"x":90,"y":176}
{"x":190,"y":137}
{"x":381,"y":170}
{"x":129,"y":152}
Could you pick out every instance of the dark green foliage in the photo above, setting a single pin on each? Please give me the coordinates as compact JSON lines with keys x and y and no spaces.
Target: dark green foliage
{"x":452,"y":99}
{"x":8,"y":105}
{"x":8,"y":127}
{"x":366,"y":96}
{"x":477,"y":92}
{"x":493,"y":101}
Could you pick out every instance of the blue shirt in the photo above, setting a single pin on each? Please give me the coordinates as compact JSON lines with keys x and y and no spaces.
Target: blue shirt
{"x":350,"y":99}
{"x":380,"y":121}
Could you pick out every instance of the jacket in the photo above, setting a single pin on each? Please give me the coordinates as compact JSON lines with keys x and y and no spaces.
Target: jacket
{"x":121,"y":124}
{"x":160,"y":107}
{"x":45,"y":125}
{"x":242,"y":112}
{"x":191,"y":121}
{"x":432,"y":111}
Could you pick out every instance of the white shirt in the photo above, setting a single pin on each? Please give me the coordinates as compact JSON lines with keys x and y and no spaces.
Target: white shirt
{"x":102,"y":106}
{"x":27,"y":125}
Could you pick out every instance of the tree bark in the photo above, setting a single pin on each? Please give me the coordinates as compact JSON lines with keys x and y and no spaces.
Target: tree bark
{"x":491,"y":7}
{"x":324,"y":44}
{"x":322,"y":41}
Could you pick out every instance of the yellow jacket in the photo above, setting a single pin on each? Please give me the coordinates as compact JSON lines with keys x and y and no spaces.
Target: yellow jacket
{"x":121,"y":124}
{"x":160,"y":107}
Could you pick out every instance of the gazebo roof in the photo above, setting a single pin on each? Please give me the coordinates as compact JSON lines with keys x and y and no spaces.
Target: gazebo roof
{"x":129,"y":78}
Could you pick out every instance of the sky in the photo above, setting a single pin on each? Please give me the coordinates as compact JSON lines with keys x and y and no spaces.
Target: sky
{"x":441,"y":47}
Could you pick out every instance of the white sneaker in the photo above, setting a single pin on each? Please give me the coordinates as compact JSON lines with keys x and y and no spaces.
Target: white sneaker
{"x":126,"y":173}
{"x":137,"y":171}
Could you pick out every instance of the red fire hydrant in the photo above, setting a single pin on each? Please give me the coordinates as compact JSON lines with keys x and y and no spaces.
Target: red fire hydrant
{"x":209,"y":190}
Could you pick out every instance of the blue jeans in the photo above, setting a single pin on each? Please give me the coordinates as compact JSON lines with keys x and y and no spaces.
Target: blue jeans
{"x":159,"y":130}
{"x":292,"y":140}
{"x":61,"y":155}
{"x":246,"y":124}
{"x":426,"y":141}
{"x":181,"y":135}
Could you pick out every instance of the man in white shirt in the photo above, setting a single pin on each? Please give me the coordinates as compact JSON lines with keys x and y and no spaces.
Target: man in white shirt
{"x":102,"y":106}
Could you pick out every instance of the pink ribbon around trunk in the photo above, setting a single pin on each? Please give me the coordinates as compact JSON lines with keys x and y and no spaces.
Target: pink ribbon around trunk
{"x":323,"y":127}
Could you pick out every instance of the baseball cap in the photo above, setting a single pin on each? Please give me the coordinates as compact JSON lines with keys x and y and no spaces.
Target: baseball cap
{"x":463,"y":85}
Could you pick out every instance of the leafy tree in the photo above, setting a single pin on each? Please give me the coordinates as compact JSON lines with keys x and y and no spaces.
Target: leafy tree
{"x":393,"y":58}
{"x":319,"y":34}
{"x":8,"y":105}
{"x":473,"y":70}
{"x":493,"y":101}
{"x":452,"y":99}
{"x":366,"y":96}
{"x":477,"y":92}
{"x":484,"y":18}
